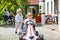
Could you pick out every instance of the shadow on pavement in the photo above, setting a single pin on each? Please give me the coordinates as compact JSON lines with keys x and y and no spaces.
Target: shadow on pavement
{"x":8,"y":26}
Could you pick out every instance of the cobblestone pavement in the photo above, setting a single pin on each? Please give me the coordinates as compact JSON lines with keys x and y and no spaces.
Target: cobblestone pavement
{"x":8,"y":32}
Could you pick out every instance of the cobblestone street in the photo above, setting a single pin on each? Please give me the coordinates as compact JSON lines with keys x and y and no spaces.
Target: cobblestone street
{"x":8,"y":32}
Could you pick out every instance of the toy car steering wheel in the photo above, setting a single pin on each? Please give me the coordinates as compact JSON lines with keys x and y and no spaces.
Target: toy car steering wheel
{"x":29,"y":22}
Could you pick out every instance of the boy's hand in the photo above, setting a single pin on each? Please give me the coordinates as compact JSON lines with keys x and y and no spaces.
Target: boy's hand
{"x":19,"y":22}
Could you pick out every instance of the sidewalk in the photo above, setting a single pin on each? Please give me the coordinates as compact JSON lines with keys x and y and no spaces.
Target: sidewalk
{"x":51,"y":26}
{"x":48,"y":33}
{"x":8,"y":33}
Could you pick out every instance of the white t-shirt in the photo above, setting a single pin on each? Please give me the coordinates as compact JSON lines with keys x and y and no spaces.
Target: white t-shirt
{"x":19,"y":18}
{"x":28,"y":20}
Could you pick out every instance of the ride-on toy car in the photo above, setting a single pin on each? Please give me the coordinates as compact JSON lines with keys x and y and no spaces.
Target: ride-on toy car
{"x":30,"y":33}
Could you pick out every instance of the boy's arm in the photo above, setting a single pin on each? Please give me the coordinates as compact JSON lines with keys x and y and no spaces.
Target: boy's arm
{"x":22,"y":19}
{"x":25,"y":21}
{"x":34,"y":21}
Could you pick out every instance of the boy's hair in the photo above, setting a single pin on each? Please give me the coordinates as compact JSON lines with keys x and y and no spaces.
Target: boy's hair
{"x":18,"y":10}
{"x":29,"y":13}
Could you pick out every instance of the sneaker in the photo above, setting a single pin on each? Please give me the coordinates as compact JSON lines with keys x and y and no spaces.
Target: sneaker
{"x":16,"y":32}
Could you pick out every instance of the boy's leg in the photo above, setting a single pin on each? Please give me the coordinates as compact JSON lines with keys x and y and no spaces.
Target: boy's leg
{"x":34,"y":27}
{"x":20,"y":30}
{"x":16,"y":27}
{"x":22,"y":26}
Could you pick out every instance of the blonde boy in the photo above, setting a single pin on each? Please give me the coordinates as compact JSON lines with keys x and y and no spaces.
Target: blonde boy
{"x":18,"y":20}
{"x":29,"y":16}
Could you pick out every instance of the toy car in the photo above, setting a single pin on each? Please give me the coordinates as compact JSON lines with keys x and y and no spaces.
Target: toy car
{"x":31,"y":34}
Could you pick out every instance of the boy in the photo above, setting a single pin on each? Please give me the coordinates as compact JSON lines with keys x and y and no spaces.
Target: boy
{"x":29,"y":17}
{"x":18,"y":20}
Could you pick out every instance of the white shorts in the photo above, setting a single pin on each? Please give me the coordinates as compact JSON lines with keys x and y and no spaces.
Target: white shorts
{"x":18,"y":25}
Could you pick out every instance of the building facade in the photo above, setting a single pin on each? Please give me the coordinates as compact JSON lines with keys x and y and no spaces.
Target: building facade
{"x":33,"y":6}
{"x":49,"y":7}
{"x":52,"y":7}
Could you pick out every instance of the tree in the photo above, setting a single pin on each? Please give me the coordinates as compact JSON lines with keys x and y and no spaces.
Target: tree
{"x":7,"y":4}
{"x":12,"y":5}
{"x":23,"y":4}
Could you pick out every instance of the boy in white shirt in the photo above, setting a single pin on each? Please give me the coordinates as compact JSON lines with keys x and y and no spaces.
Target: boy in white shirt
{"x":18,"y":20}
{"x":29,"y":17}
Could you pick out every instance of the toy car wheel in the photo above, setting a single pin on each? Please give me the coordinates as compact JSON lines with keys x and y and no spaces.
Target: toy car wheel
{"x":36,"y":33}
{"x":41,"y":37}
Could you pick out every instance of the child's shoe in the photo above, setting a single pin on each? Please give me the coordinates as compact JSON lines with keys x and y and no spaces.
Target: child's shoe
{"x":16,"y":32}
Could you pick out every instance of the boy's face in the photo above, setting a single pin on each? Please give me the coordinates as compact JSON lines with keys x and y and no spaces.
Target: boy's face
{"x":19,"y":12}
{"x":30,"y":16}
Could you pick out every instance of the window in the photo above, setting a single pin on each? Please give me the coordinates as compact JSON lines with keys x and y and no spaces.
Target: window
{"x":48,"y":7}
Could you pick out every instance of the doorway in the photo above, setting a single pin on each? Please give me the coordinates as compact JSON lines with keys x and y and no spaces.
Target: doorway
{"x":33,"y":9}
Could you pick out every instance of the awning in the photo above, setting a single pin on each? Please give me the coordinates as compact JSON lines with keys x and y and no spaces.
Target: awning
{"x":34,"y":2}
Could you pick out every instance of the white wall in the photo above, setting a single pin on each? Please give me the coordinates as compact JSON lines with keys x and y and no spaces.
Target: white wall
{"x":59,"y":5}
{"x":59,"y":15}
{"x":42,"y":7}
{"x":53,"y":8}
{"x":50,"y":13}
